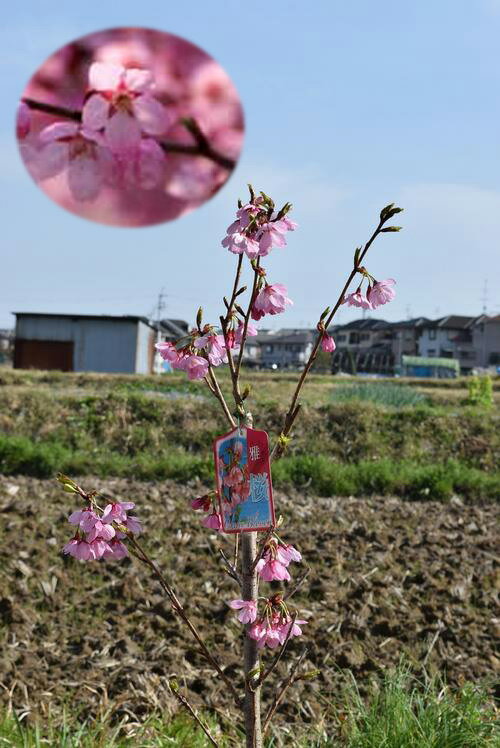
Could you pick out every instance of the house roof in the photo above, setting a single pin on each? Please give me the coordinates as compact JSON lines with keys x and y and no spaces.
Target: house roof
{"x":365,"y":324}
{"x":451,"y":322}
{"x":177,"y":328}
{"x":414,"y":322}
{"x":102,"y":317}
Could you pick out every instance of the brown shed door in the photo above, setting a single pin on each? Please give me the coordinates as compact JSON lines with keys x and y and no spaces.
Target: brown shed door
{"x":43,"y":354}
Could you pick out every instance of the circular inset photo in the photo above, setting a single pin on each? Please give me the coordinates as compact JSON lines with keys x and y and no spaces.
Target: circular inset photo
{"x":130,"y":127}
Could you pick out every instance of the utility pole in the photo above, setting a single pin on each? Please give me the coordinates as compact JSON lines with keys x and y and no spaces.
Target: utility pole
{"x":484,"y":299}
{"x":160,"y":306}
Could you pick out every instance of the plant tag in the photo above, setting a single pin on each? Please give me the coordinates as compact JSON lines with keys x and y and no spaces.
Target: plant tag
{"x":243,"y":476}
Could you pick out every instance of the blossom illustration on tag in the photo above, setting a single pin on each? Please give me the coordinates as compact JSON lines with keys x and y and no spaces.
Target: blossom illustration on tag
{"x":243,"y":480}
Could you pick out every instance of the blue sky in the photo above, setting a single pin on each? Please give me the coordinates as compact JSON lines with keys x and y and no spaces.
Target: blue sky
{"x":348,"y":106}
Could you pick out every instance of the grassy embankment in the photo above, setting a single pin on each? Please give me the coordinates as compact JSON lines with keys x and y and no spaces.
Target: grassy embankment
{"x":419,"y":439}
{"x":402,"y":713}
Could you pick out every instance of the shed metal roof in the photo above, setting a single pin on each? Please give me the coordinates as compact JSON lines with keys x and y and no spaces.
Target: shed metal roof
{"x":102,"y":317}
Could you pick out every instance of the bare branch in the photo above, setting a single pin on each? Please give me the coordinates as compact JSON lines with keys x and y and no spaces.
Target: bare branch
{"x":281,"y":692}
{"x":247,"y":316}
{"x":236,"y":549}
{"x":297,"y":585}
{"x":185,"y":703}
{"x":230,"y":568}
{"x":179,"y":609}
{"x":292,"y":412}
{"x":220,"y":397}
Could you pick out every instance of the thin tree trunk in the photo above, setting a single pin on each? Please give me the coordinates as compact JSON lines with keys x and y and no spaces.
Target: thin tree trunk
{"x":249,"y":591}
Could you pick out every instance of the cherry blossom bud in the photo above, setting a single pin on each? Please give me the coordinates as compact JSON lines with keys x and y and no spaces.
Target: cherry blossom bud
{"x":204,"y":502}
{"x":213,"y":521}
{"x":327,"y":343}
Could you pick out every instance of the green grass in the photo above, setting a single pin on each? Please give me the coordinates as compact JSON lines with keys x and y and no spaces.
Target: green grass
{"x":389,"y":395}
{"x":406,"y":713}
{"x":134,"y":423}
{"x":155,"y":733}
{"x":399,"y":712}
{"x":318,"y":473}
{"x":392,"y":440}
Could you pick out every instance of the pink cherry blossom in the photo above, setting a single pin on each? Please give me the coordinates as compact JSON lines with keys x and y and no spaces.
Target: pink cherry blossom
{"x":238,"y":242}
{"x":287,"y":553}
{"x":254,"y":232}
{"x":203,"y":502}
{"x":84,"y":518}
{"x":68,"y":147}
{"x":79,"y":549}
{"x":116,"y":549}
{"x":284,"y":628}
{"x":381,"y":292}
{"x":145,"y":167}
{"x":271,"y":569}
{"x":133,"y":525}
{"x":248,"y":610}
{"x":327,"y":343}
{"x":357,"y":299}
{"x":101,"y":530}
{"x":196,"y":367}
{"x":257,"y":630}
{"x":167,"y":351}
{"x":245,"y":214}
{"x":23,"y":121}
{"x":213,"y":521}
{"x":193,"y":179}
{"x":117,"y":512}
{"x":251,"y":332}
{"x":271,"y":300}
{"x":290,"y":225}
{"x":215,"y":347}
{"x":123,"y":106}
{"x":98,"y":547}
{"x":182,"y":360}
{"x":266,"y":632}
{"x":272,"y":234}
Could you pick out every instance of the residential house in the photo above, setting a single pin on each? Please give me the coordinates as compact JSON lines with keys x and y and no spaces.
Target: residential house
{"x":486,"y":340}
{"x":406,"y":336}
{"x":449,"y":337}
{"x":364,"y":345}
{"x":285,"y":349}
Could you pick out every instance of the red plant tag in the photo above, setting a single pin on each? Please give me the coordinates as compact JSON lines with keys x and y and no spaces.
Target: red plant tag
{"x":243,"y":476}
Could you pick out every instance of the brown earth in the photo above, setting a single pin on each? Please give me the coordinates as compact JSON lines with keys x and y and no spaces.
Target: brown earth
{"x":387,"y":578}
